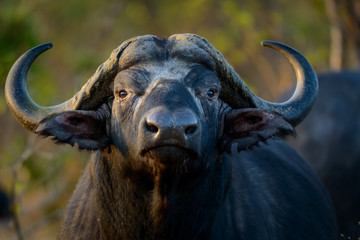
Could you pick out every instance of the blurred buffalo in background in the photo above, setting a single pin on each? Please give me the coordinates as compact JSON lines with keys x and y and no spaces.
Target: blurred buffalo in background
{"x":329,"y":139}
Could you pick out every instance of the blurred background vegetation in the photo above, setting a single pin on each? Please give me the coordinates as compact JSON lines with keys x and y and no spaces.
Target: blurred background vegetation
{"x":40,"y":176}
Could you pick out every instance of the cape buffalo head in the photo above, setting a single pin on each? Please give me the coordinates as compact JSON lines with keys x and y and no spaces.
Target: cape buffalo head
{"x":164,"y":101}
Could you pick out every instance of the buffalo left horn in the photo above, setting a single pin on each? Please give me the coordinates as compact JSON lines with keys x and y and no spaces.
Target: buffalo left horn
{"x":26,"y":111}
{"x":94,"y":92}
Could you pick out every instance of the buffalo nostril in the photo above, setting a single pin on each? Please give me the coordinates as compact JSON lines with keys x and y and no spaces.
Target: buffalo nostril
{"x":171,"y":124}
{"x":190,"y":129}
{"x":151,"y":127}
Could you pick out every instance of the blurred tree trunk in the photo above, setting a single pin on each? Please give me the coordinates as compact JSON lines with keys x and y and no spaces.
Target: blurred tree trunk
{"x":353,"y":26}
{"x":336,"y":35}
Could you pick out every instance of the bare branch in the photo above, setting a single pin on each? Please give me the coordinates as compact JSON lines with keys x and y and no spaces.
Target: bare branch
{"x":336,"y":35}
{"x":32,"y":145}
{"x":353,"y":25}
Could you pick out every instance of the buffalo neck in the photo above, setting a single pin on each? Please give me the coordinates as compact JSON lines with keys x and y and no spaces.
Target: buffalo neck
{"x":132,"y":205}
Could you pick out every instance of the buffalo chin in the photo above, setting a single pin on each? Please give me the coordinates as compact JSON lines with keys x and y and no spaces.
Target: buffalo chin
{"x":170,"y":159}
{"x":170,"y":154}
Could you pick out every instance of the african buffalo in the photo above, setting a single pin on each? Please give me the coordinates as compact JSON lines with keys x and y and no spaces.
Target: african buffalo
{"x":329,"y":140}
{"x":181,"y":148}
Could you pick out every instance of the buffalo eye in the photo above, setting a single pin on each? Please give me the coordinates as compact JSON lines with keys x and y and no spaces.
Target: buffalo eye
{"x":211,"y":93}
{"x":123,"y":94}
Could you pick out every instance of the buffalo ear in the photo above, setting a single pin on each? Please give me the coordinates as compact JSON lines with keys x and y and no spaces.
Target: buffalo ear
{"x":251,"y":125}
{"x":86,"y":128}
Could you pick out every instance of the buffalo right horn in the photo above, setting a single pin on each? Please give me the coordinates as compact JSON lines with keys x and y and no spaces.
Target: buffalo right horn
{"x":298,"y":106}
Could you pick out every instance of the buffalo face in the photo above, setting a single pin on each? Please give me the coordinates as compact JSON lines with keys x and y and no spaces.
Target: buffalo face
{"x":165,"y":117}
{"x":166,"y":113}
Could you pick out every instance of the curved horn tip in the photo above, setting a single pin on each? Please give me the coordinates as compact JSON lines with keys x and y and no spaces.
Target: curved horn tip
{"x":273,"y":44}
{"x":49,"y":44}
{"x":265,"y":43}
{"x":43,"y":47}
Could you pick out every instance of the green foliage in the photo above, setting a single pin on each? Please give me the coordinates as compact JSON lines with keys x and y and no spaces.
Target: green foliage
{"x":16,"y":35}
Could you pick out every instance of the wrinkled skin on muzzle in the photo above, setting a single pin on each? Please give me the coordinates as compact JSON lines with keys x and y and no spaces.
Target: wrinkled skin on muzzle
{"x":169,"y":119}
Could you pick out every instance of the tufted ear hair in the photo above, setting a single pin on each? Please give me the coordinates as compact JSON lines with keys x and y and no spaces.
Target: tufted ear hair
{"x":86,"y":128}
{"x":250,"y":125}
